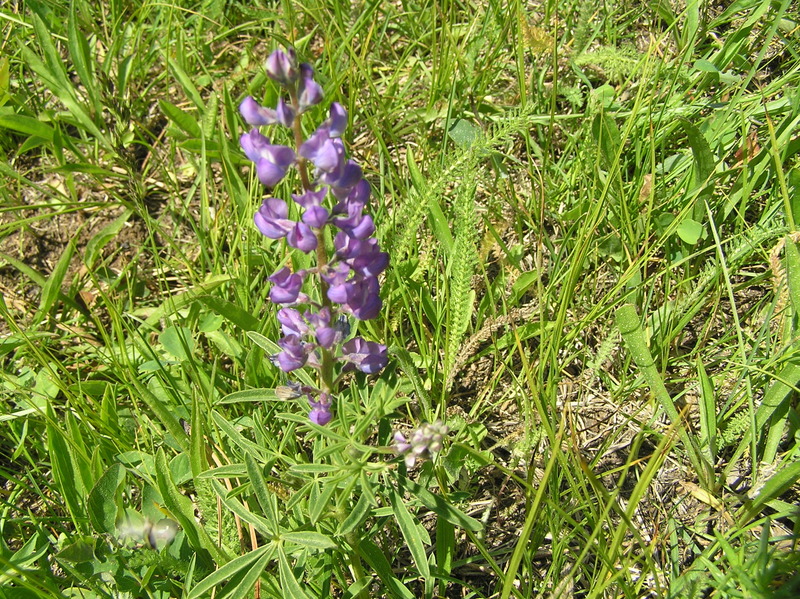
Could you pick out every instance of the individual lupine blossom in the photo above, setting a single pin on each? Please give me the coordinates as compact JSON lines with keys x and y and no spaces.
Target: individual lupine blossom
{"x":315,"y":328}
{"x":424,"y":441}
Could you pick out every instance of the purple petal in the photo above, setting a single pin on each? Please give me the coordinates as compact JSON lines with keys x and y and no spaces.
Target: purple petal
{"x":337,"y":121}
{"x":282,"y":66}
{"x":254,"y":145}
{"x":269,"y":173}
{"x":271,"y":218}
{"x":254,"y":114}
{"x":315,"y":216}
{"x":311,"y":198}
{"x":301,"y":237}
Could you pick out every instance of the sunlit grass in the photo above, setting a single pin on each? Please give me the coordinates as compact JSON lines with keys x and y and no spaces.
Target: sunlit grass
{"x":591,"y":214}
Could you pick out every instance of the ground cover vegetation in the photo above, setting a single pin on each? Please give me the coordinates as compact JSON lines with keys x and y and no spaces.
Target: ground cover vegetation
{"x":580,"y":377}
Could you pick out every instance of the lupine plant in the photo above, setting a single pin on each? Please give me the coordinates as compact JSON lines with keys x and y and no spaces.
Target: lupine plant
{"x":318,"y":308}
{"x":345,"y":282}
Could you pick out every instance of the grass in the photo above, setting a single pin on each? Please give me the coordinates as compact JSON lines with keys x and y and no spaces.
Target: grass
{"x":591,"y":212}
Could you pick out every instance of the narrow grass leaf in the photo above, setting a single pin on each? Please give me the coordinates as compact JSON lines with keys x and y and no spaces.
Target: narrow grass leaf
{"x":52,"y":288}
{"x":174,"y":303}
{"x":102,"y":238}
{"x":380,"y":565}
{"x":412,"y":532}
{"x":103,"y":508}
{"x":64,"y":474}
{"x":792,"y":258}
{"x":779,"y":483}
{"x":82,"y":60}
{"x":773,"y":412}
{"x":632,"y":333}
{"x":188,"y":87}
{"x":607,"y":137}
{"x":255,"y":560}
{"x":27,"y":125}
{"x":708,"y":414}
{"x":197,"y":450}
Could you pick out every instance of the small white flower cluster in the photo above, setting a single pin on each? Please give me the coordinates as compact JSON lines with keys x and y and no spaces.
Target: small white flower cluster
{"x":424,"y":441}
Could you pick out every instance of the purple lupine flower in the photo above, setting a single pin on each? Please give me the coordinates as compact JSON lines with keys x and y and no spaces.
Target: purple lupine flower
{"x":337,"y":121}
{"x":309,"y":93}
{"x":317,"y":337}
{"x":342,"y":181}
{"x":284,"y":113}
{"x":293,"y":355}
{"x":282,"y":66}
{"x":367,"y":356}
{"x":272,"y":161}
{"x":302,"y":238}
{"x":325,"y":152}
{"x":320,"y":410}
{"x":325,"y":334}
{"x":424,"y":441}
{"x":285,"y":286}
{"x":292,"y":323}
{"x":316,"y":216}
{"x":271,"y":219}
{"x":254,"y":114}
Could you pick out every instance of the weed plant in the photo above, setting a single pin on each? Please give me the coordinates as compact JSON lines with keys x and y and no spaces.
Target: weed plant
{"x":591,"y":216}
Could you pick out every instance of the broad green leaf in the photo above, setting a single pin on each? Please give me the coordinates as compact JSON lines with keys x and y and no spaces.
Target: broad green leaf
{"x":690,"y":231}
{"x":178,"y":342}
{"x":235,"y":436}
{"x":78,"y":552}
{"x":380,"y":565}
{"x":232,"y":312}
{"x":311,"y":539}
{"x":261,"y":524}
{"x":445,"y":546}
{"x":464,"y":133}
{"x":183,"y":120}
{"x":103,"y":505}
{"x":322,"y":500}
{"x":248,"y":395}
{"x":182,"y":510}
{"x":254,"y":561}
{"x":289,"y":584}
{"x":415,"y":536}
{"x":266,"y":499}
{"x":437,"y":504}
{"x":356,"y":516}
